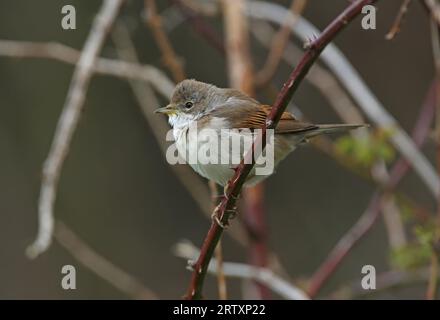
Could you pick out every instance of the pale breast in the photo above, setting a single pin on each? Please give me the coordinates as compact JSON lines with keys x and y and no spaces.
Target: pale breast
{"x":214,"y":153}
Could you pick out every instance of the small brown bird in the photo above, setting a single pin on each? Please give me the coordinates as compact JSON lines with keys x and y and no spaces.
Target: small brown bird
{"x":206,"y":106}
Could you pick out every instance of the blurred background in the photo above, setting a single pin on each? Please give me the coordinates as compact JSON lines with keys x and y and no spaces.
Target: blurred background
{"x":122,"y":198}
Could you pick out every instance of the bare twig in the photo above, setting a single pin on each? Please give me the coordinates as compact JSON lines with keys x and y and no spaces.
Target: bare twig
{"x":278,"y":44}
{"x":169,"y":56}
{"x":60,"y":52}
{"x":395,"y":28}
{"x":236,"y":183}
{"x":369,"y":217}
{"x":68,"y":121}
{"x":99,"y":265}
{"x":433,"y":8}
{"x":264,"y":276}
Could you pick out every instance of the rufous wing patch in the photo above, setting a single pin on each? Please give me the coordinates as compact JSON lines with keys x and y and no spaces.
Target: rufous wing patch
{"x":255,"y":118}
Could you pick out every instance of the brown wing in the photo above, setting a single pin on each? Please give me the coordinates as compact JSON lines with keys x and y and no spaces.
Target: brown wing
{"x":255,"y":118}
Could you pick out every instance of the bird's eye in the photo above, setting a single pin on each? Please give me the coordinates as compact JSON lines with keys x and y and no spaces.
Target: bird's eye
{"x":189,"y":105}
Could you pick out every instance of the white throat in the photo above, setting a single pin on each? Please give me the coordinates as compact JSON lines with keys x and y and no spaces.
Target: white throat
{"x":180,"y":121}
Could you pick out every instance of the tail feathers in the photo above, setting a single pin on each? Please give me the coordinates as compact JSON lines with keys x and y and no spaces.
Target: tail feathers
{"x":332,"y":128}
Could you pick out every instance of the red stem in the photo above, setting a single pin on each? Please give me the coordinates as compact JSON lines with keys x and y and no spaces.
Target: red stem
{"x":369,"y":217}
{"x":236,"y":183}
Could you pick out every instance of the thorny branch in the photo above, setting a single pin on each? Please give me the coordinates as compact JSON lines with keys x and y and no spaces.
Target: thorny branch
{"x":236,"y":183}
{"x":68,"y":121}
{"x":349,"y":77}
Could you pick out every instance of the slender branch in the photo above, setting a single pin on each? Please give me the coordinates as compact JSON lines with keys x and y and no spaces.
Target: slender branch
{"x":68,"y":122}
{"x":236,"y":183}
{"x":278,"y":45}
{"x":433,"y":8}
{"x":99,"y":265}
{"x":237,"y":46}
{"x":169,"y":56}
{"x":395,"y":28}
{"x":265,"y":276}
{"x":369,"y":217}
{"x":105,"y":66}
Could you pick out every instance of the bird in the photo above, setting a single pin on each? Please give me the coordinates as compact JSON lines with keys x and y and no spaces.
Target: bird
{"x":195,"y":104}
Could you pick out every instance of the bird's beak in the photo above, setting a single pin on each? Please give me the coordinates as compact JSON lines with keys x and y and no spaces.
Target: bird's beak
{"x":168,"y":110}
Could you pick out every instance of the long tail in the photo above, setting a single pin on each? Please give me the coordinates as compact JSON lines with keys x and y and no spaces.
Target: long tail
{"x":331,"y":128}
